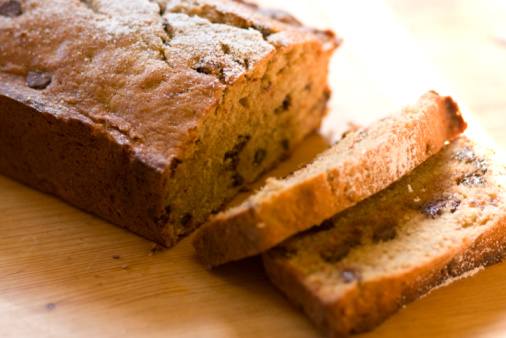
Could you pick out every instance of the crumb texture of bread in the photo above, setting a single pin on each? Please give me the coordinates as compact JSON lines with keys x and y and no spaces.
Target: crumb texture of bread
{"x":360,"y":266}
{"x":152,"y":114}
{"x":364,"y":162}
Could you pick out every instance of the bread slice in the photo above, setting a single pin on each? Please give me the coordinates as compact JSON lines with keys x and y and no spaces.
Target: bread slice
{"x":152,"y":114}
{"x":361,"y":164}
{"x":360,"y":266}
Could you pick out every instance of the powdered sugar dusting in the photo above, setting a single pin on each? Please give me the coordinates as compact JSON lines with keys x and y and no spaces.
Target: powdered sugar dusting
{"x":215,"y":49}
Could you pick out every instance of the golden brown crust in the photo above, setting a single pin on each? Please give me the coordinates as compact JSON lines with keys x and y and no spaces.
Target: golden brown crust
{"x":433,"y":243}
{"x":363,"y":163}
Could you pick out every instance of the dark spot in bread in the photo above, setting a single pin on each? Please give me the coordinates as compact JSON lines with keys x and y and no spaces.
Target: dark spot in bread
{"x":186,"y":220}
{"x":436,"y":206}
{"x":433,"y":208}
{"x":427,"y":148}
{"x":324,"y":226}
{"x":11,"y":9}
{"x":38,"y":79}
{"x":50,"y":306}
{"x":321,"y":105}
{"x":237,"y":180}
{"x":335,"y":254}
{"x":309,"y":86}
{"x":384,"y":233}
{"x":210,"y":67}
{"x":173,"y":166}
{"x":259,"y":156}
{"x":231,"y":157}
{"x":454,"y":205}
{"x":339,"y":250}
{"x":115,"y":257}
{"x":264,"y":30}
{"x":244,"y":102}
{"x":285,"y":105}
{"x":163,"y":219}
{"x":349,"y":276}
{"x":285,"y":144}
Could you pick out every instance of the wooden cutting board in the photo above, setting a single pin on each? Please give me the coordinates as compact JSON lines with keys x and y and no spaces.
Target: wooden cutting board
{"x":67,"y":273}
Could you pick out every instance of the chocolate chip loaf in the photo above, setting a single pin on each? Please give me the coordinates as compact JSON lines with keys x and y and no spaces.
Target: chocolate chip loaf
{"x":360,"y":266}
{"x":361,"y":164}
{"x":151,"y":114}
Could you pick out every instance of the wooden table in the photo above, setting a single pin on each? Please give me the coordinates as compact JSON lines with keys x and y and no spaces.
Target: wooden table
{"x":60,"y":274}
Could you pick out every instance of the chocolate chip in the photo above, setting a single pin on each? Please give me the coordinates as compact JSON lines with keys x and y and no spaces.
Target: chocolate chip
{"x":384,"y":233}
{"x":210,"y":67}
{"x":340,"y":250}
{"x":259,"y":156}
{"x":186,"y":220}
{"x":427,"y":149}
{"x":11,"y":9}
{"x":38,"y":80}
{"x":231,"y":157}
{"x":350,"y":276}
{"x":435,"y":207}
{"x":285,"y":105}
{"x":454,"y":205}
{"x":173,"y":165}
{"x":237,"y":180}
{"x":335,"y":254}
{"x":265,"y":31}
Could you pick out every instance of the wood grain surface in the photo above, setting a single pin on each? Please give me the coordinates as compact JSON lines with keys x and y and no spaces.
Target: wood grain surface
{"x":66,"y":273}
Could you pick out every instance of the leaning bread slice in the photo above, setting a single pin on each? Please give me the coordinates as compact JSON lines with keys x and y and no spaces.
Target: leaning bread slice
{"x":361,"y":164}
{"x":446,"y":218}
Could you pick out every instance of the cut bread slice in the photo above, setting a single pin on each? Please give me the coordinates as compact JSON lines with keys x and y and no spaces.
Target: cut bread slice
{"x":364,"y":162}
{"x":360,"y":266}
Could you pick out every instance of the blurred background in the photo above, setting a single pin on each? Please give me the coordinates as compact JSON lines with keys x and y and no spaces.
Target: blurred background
{"x":463,"y":42}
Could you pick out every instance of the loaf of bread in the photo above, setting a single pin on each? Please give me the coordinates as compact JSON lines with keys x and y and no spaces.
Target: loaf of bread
{"x":361,"y":164}
{"x":360,"y":266}
{"x":152,"y":114}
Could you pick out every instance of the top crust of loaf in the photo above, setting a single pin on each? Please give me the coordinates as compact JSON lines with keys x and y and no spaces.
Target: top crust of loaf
{"x":147,"y":73}
{"x":363,"y":163}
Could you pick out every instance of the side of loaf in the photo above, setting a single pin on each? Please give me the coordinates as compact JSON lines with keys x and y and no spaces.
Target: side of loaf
{"x":152,"y":114}
{"x":361,"y":164}
{"x":360,"y":266}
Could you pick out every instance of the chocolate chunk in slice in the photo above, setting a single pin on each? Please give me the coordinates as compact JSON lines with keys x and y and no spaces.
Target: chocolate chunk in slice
{"x":38,"y":80}
{"x":11,"y":9}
